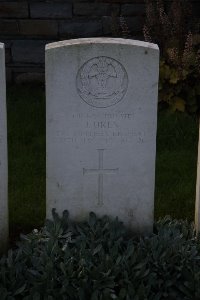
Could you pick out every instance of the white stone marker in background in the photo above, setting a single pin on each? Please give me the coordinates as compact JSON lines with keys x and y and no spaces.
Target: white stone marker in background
{"x":3,"y":156}
{"x":101,"y":128}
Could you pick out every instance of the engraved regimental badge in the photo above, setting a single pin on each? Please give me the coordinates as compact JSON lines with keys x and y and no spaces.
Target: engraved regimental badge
{"x":102,"y":82}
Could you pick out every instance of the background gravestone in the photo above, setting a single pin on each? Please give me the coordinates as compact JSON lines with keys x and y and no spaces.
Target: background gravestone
{"x":3,"y":155}
{"x":101,"y":128}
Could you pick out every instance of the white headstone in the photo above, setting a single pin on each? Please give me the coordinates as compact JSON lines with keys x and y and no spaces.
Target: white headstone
{"x":3,"y":156}
{"x":101,"y":128}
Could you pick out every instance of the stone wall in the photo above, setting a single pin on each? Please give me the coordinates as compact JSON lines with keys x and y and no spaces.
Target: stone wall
{"x":27,"y":25}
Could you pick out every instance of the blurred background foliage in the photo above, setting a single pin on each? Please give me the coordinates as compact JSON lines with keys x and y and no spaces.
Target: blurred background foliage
{"x":173,"y":26}
{"x":177,"y":32}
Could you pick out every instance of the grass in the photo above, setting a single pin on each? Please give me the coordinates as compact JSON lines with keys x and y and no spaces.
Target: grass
{"x":26,"y":144}
{"x":175,"y":165}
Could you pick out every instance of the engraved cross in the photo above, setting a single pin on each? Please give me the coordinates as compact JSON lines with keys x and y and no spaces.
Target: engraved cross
{"x":100,"y":172}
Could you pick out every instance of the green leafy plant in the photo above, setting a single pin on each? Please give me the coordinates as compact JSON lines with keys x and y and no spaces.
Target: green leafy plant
{"x":176,"y":32}
{"x":100,"y":259}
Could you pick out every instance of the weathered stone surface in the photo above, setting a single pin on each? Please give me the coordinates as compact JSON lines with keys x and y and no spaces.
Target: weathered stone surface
{"x":9,"y":27}
{"x":115,"y":10}
{"x":110,"y":25}
{"x":101,"y":128}
{"x":51,"y":10}
{"x":134,"y":24}
{"x":121,"y":1}
{"x":115,"y":1}
{"x":133,"y":9}
{"x":80,"y":28}
{"x":3,"y":156}
{"x":8,"y":55}
{"x":9,"y":75}
{"x":38,"y":27}
{"x":13,"y":9}
{"x":28,"y":51}
{"x":94,"y":9}
{"x":196,"y":8}
{"x":7,"y":45}
{"x":82,"y":1}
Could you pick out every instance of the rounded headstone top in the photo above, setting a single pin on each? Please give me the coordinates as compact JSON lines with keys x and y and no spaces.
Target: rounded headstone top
{"x":1,"y":45}
{"x":92,"y":41}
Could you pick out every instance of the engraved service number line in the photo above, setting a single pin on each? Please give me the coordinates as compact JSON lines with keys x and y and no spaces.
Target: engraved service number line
{"x":100,"y":172}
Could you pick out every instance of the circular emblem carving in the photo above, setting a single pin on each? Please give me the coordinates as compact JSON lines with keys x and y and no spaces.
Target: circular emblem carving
{"x":102,"y":82}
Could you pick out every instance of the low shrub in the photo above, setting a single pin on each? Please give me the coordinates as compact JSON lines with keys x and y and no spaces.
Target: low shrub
{"x":100,"y":259}
{"x":175,"y":29}
{"x":179,"y":88}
